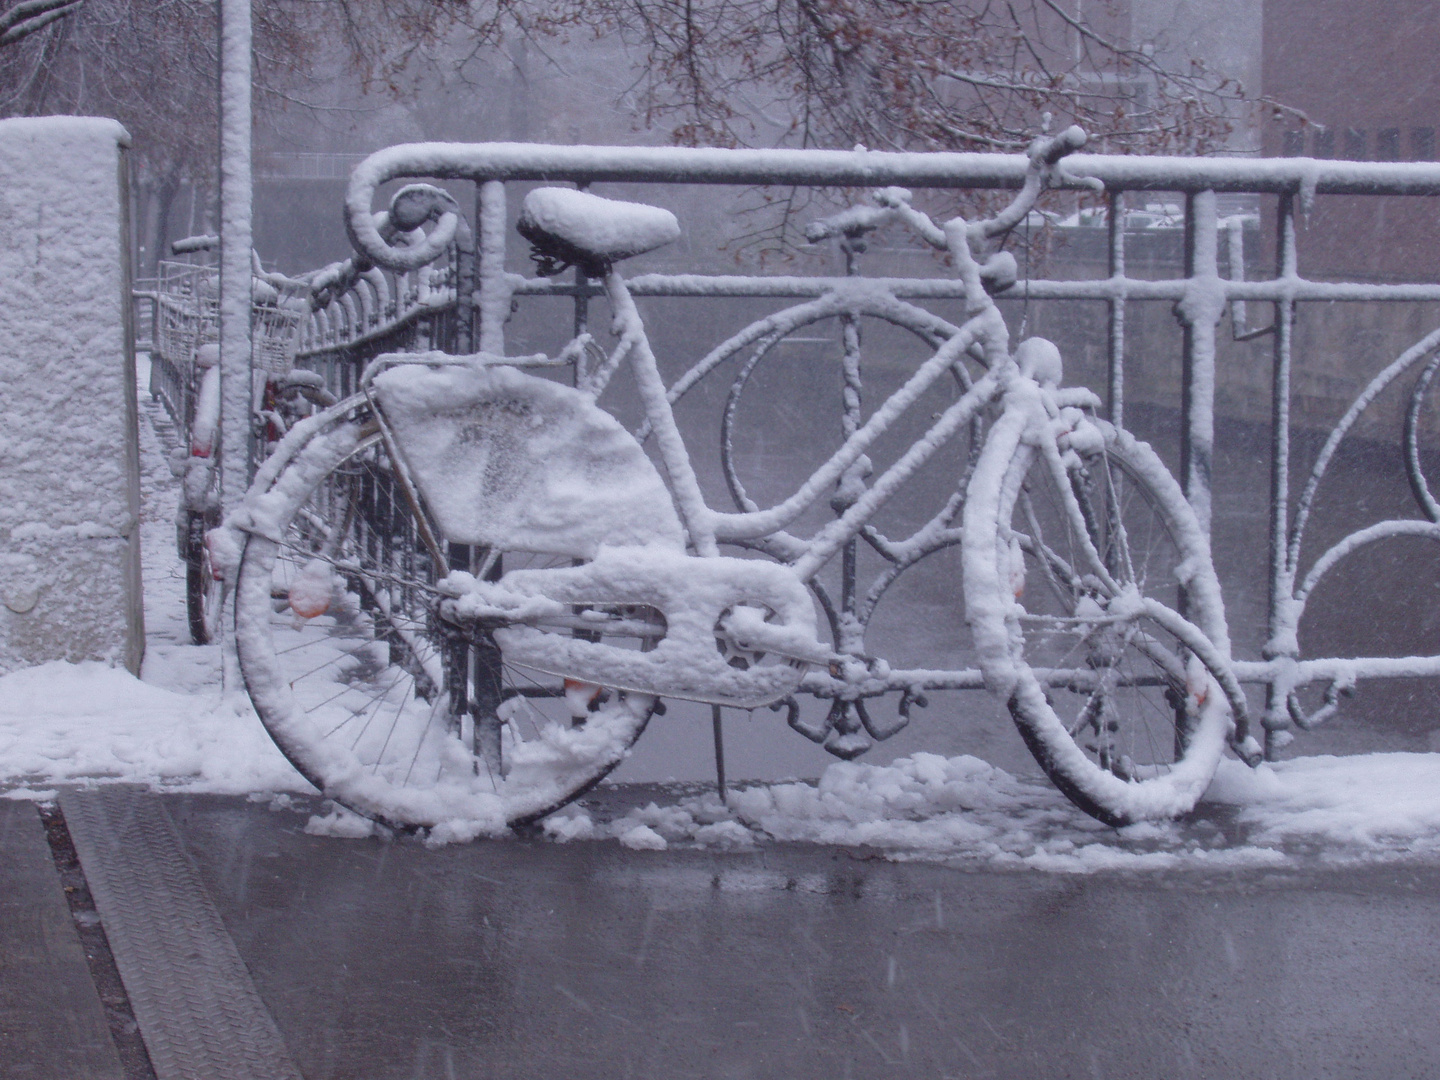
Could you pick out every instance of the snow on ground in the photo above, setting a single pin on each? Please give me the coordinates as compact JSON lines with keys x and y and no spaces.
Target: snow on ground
{"x":63,"y":723}
{"x":1332,"y":810}
{"x":68,"y":723}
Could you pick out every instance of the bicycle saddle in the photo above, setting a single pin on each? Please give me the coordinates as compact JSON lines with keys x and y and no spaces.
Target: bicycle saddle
{"x":574,"y":228}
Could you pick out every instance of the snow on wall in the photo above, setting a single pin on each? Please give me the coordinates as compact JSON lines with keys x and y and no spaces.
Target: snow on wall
{"x":69,"y":470}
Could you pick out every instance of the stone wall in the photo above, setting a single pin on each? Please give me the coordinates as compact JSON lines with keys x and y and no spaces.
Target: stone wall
{"x":69,"y":465}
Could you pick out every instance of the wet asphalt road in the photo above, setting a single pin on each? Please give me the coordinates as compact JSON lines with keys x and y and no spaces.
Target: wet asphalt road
{"x":530,"y":959}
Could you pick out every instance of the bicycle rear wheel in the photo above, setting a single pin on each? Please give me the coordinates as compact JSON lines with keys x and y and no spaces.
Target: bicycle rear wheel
{"x":1073,"y":587}
{"x":204,"y":591}
{"x":382,"y":704}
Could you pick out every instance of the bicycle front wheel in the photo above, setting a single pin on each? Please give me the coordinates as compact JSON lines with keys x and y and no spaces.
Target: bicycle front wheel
{"x":374,"y":697}
{"x":1077,"y":567}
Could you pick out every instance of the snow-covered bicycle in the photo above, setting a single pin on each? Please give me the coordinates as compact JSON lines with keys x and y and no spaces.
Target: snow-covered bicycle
{"x":463,"y":592}
{"x":186,"y":376}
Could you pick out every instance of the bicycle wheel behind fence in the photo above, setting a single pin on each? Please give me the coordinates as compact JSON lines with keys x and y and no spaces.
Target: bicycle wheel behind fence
{"x":375,"y":699}
{"x":204,"y":590}
{"x":1112,"y":702}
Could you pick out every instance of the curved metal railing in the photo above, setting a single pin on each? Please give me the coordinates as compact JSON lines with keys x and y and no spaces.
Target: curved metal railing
{"x":437,"y":289}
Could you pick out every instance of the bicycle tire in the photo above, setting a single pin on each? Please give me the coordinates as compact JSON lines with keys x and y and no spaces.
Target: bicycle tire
{"x":370,"y":698}
{"x":204,"y":592}
{"x":1125,"y":705}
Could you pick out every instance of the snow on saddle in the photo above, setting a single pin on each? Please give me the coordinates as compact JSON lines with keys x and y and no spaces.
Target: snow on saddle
{"x":574,"y":228}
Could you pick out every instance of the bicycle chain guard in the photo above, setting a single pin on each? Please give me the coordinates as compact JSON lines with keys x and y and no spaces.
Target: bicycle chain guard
{"x":696,"y":597}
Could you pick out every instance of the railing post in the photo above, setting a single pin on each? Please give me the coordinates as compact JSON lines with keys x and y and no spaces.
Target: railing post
{"x":1199,"y":312}
{"x":582,"y":320}
{"x":1280,"y":631}
{"x":494,"y":293}
{"x":235,"y":245}
{"x":236,"y":281}
{"x":464,"y":300}
{"x":1115,"y":375}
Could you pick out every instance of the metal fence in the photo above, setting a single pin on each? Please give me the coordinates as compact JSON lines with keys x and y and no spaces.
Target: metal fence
{"x":1223,"y":214}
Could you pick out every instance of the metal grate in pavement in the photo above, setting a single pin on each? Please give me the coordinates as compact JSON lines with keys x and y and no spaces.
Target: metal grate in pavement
{"x":198,"y":1010}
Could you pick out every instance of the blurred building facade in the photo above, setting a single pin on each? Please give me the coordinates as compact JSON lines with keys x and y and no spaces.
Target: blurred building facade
{"x":1365,"y":80}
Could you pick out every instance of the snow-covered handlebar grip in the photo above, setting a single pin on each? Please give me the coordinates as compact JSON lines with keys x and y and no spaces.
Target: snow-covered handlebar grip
{"x":1043,"y":154}
{"x":411,"y":207}
{"x":192,"y":244}
{"x":1049,"y":151}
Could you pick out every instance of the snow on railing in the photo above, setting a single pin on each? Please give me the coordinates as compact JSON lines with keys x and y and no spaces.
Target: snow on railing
{"x":377,"y":306}
{"x":412,"y":287}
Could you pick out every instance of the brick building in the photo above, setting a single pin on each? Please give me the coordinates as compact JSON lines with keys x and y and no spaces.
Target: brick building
{"x":1365,"y":77}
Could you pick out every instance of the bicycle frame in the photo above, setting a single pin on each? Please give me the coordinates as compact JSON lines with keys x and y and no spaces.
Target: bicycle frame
{"x":983,"y":337}
{"x":984,"y":332}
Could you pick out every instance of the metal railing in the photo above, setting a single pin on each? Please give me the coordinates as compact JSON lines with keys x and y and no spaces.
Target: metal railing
{"x":382,"y":311}
{"x":385,"y":311}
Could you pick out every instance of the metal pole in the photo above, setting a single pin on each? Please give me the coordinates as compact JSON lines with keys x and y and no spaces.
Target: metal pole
{"x":494,"y":292}
{"x":1200,"y":313}
{"x":582,"y":311}
{"x":1282,"y":577}
{"x":1115,"y":222}
{"x":235,"y":282}
{"x":235,"y":247}
{"x":719,"y":734}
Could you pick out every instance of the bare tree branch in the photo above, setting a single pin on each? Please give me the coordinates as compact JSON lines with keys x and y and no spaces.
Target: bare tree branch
{"x":908,"y":74}
{"x":29,"y":16}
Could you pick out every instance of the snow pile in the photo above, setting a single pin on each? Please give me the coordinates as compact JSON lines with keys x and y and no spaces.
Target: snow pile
{"x":344,"y":824}
{"x":1377,"y":802}
{"x":965,"y":811}
{"x":67,"y":723}
{"x":922,"y":806}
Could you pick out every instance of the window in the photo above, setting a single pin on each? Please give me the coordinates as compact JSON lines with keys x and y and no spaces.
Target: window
{"x":1325,"y":143}
{"x":1355,"y":144}
{"x":1387,"y":144}
{"x":1422,"y":143}
{"x":1292,"y":143}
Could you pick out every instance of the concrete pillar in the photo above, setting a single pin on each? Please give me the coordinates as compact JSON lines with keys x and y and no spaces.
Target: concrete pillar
{"x":69,"y":451}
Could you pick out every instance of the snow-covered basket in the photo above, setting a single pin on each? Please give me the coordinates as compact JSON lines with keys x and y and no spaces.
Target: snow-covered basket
{"x":276,"y":324}
{"x":186,"y":314}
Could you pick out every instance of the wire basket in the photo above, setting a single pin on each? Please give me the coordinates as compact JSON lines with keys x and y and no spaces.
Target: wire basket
{"x":187,"y":313}
{"x":276,"y":323}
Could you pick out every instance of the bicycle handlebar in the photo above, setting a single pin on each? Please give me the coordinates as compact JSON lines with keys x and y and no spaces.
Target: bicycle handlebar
{"x":193,"y":244}
{"x":1050,"y":150}
{"x":893,"y":203}
{"x":1044,"y":154}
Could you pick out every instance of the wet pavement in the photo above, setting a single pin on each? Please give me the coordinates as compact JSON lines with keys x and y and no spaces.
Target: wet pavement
{"x":527,"y":958}
{"x":52,"y":1022}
